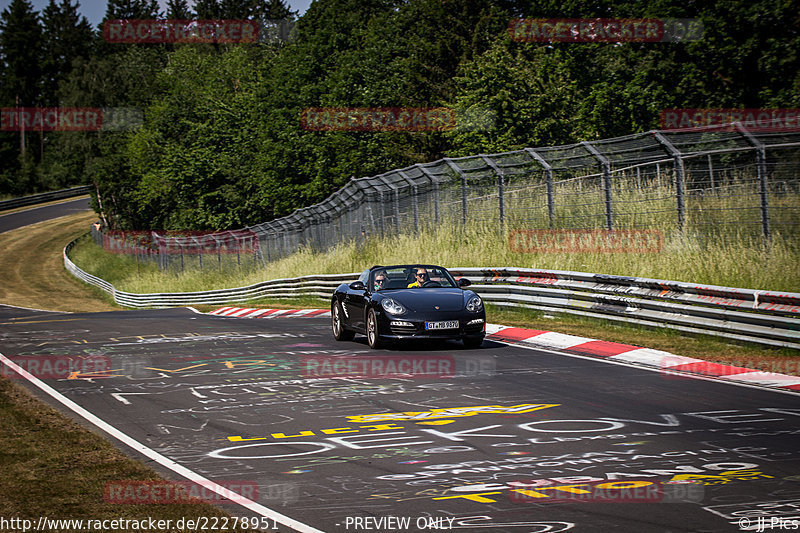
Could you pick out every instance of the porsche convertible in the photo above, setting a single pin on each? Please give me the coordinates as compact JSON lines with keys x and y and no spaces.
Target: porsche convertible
{"x":402,"y":302}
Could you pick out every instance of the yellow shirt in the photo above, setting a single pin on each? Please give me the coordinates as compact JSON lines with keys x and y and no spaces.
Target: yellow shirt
{"x":412,"y":285}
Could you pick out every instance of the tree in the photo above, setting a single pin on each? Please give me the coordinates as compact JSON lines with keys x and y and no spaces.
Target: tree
{"x":132,"y":9}
{"x":178,"y":10}
{"x":21,"y":49}
{"x":66,"y":37}
{"x":208,"y":10}
{"x":20,"y":74}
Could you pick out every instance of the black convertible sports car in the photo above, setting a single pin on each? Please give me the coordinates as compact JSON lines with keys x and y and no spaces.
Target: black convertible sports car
{"x":408,"y":302}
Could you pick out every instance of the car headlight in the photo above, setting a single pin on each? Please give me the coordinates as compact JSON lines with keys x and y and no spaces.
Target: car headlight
{"x":393,"y":307}
{"x":475,"y":304}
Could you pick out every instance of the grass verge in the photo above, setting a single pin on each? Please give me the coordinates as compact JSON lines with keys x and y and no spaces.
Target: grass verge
{"x":53,"y":467}
{"x":33,"y":269}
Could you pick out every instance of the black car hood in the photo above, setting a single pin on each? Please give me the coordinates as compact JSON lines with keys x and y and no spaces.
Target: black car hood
{"x":421,"y":300}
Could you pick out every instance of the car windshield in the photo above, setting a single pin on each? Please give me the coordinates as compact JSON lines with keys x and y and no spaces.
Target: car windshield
{"x":411,"y":276}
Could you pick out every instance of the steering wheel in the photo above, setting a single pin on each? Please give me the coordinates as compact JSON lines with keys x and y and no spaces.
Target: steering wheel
{"x":431,"y":283}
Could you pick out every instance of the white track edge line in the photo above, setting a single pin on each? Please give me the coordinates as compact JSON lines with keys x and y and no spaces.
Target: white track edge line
{"x":157,"y":457}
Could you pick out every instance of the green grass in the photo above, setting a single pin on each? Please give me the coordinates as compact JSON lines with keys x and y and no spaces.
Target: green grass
{"x":54,"y":467}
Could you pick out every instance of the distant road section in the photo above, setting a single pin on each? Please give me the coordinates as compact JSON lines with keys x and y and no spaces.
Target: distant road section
{"x":33,"y":215}
{"x":32,"y":265}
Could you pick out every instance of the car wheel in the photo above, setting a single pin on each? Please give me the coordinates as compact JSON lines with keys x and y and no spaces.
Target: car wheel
{"x":373,"y":338}
{"x":339,"y":331}
{"x":472,"y":342}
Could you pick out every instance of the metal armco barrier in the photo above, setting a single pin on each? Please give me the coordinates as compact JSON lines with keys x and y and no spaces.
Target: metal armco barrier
{"x":321,"y":286}
{"x":741,"y":314}
{"x":45,"y":197}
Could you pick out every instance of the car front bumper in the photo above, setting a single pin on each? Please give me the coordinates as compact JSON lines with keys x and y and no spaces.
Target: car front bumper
{"x":414,"y":328}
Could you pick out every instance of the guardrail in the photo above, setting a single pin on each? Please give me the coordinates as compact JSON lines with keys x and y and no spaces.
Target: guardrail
{"x":321,"y":286}
{"x":44,"y":197}
{"x":763,"y":317}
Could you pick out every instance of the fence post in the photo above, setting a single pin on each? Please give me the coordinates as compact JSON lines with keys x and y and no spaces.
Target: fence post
{"x":342,"y":213}
{"x":679,"y":171}
{"x":548,"y":174}
{"x":711,"y":173}
{"x":501,"y":188}
{"x":463,"y":176}
{"x":761,"y":166}
{"x":382,"y":221}
{"x":414,"y":199}
{"x":285,"y":240}
{"x":436,"y":202}
{"x":606,"y":182}
{"x":435,"y":185}
{"x":658,"y":175}
{"x":397,"y":209}
{"x":390,"y":187}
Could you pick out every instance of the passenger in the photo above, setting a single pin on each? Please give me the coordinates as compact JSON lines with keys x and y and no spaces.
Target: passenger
{"x":380,"y":280}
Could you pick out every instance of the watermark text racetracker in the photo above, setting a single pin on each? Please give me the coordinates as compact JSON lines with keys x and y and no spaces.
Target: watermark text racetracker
{"x":675,"y":368}
{"x":129,"y":31}
{"x":70,"y":118}
{"x":370,"y":367}
{"x":180,"y":31}
{"x":59,"y":366}
{"x":378,"y":119}
{"x":772,"y":120}
{"x":136,"y":492}
{"x":605,"y":30}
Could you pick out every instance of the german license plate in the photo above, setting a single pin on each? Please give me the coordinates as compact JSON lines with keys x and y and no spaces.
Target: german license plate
{"x":450,"y":324}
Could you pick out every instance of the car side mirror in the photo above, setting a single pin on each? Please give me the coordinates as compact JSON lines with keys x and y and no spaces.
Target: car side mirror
{"x":464,"y":282}
{"x":358,"y":286}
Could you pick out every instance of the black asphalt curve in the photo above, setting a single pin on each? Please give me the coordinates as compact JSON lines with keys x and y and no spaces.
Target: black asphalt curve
{"x":33,"y":215}
{"x":424,"y":437}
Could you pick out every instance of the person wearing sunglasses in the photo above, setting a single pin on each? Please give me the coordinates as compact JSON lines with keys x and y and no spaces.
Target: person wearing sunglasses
{"x":421,"y":277}
{"x":380,"y":281}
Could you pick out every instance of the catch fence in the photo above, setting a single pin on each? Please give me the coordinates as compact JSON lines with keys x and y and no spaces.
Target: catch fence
{"x":712,"y":181}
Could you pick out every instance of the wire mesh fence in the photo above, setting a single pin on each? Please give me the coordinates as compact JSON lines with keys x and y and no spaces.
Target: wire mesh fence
{"x":714,"y":181}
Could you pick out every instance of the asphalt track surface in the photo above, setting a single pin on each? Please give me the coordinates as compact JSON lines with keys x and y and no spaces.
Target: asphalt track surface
{"x":422,"y":437}
{"x":33,"y":215}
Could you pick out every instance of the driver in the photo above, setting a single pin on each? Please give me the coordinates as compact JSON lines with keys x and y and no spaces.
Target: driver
{"x":380,"y":280}
{"x":422,"y":277}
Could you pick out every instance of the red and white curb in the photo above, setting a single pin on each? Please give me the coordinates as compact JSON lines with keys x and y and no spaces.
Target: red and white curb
{"x":670,"y":364}
{"x":239,"y":312}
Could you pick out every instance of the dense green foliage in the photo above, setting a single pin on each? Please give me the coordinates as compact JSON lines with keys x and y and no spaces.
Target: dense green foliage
{"x":221,"y":145}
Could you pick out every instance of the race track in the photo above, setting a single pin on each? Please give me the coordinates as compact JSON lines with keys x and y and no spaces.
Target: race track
{"x":332,"y":436}
{"x":19,"y":219}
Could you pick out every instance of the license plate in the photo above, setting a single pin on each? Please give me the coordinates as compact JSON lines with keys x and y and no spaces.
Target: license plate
{"x":450,"y":324}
